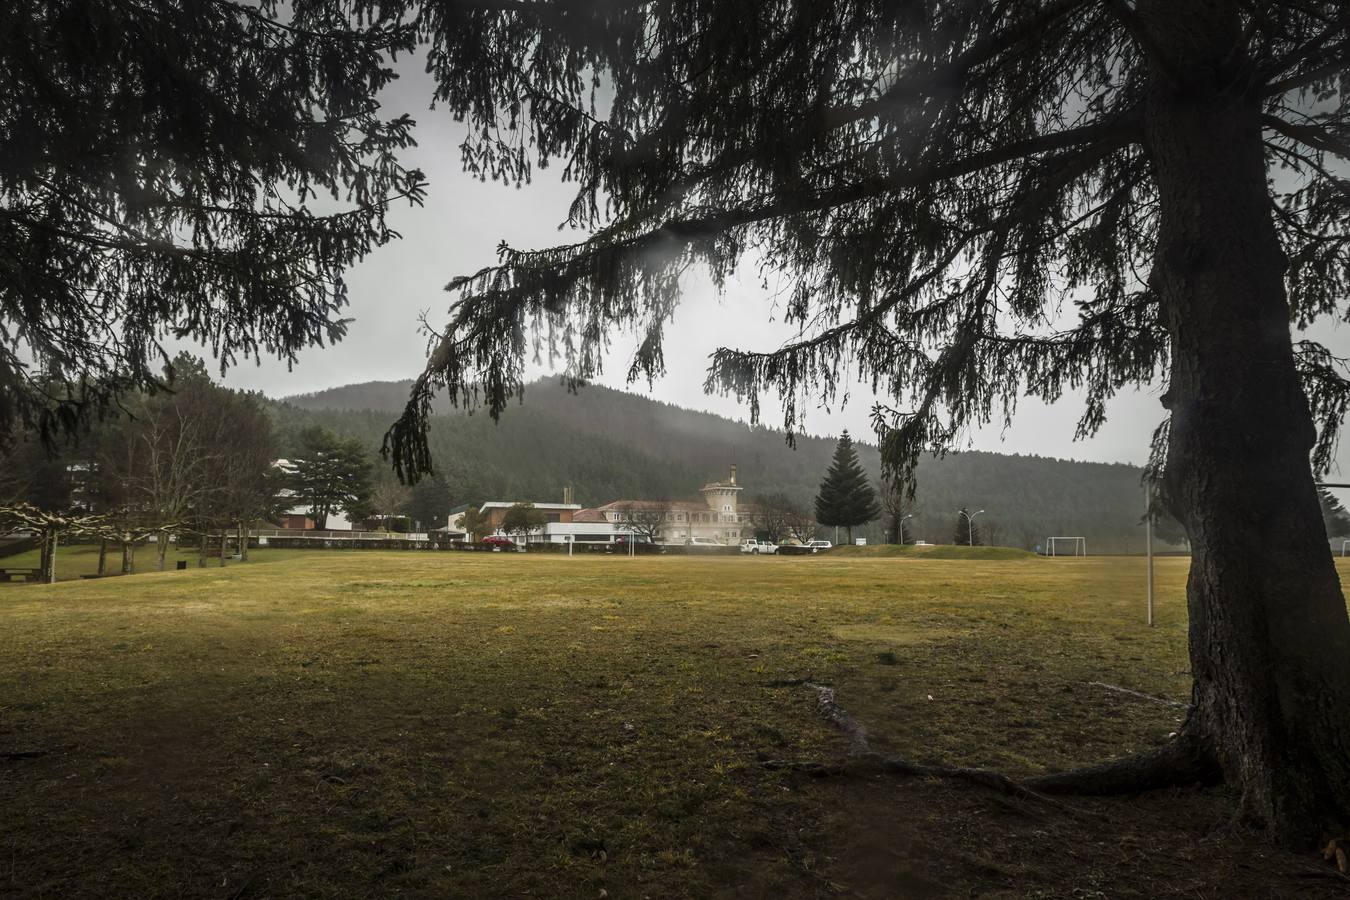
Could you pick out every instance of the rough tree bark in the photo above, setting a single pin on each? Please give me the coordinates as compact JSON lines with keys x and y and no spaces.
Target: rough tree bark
{"x":47,"y":558}
{"x":128,"y":556}
{"x":1269,"y":634}
{"x":102,"y":557}
{"x":243,"y":542}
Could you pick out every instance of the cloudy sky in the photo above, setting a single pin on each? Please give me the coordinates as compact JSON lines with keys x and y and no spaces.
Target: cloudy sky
{"x":457,"y":231}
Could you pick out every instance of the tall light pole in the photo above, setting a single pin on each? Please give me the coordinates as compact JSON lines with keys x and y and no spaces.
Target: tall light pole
{"x":970,"y":524}
{"x":1148,"y":544}
{"x":902,"y":527}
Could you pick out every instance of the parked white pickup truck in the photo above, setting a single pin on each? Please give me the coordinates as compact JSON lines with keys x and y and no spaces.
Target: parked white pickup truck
{"x":753,"y":546}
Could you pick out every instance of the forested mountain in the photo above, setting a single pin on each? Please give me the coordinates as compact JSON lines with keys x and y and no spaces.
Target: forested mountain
{"x":612,"y":445}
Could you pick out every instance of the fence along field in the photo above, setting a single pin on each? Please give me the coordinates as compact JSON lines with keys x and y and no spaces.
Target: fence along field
{"x":342,"y":723}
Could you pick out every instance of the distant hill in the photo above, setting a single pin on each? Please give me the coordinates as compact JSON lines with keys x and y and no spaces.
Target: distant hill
{"x":612,"y":444}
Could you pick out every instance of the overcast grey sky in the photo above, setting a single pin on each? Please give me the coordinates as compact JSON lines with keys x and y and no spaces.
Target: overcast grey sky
{"x":457,"y":231}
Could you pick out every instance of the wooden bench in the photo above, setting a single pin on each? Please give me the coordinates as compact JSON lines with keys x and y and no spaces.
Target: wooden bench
{"x":7,"y":575}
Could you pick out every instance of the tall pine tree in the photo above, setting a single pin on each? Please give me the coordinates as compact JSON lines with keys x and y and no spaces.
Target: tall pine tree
{"x":1335,"y":516}
{"x":846,"y":497}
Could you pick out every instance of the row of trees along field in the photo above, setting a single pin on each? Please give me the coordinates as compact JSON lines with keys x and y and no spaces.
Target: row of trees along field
{"x":192,"y":461}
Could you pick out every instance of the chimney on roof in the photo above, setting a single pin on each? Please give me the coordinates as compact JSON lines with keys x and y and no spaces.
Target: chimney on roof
{"x":567,"y":493}
{"x":733,"y":473}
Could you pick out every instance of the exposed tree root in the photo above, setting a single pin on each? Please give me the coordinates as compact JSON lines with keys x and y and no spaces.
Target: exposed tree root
{"x":861,"y":758}
{"x":1184,"y":761}
{"x":1137,"y":694}
{"x":22,"y":754}
{"x":858,"y":743}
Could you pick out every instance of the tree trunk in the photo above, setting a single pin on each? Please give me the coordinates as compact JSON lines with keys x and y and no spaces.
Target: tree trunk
{"x":161,"y":548}
{"x":48,"y":556}
{"x":243,"y":541}
{"x":102,"y":558}
{"x":224,"y":545}
{"x":128,"y":557}
{"x":1269,"y":634}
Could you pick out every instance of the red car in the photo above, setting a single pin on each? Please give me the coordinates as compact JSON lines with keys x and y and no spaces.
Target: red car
{"x":498,"y":542}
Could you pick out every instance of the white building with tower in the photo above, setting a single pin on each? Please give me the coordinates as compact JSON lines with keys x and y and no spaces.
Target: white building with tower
{"x":718,"y":517}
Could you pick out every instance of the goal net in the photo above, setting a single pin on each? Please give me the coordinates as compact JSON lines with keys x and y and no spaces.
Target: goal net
{"x":1066,"y":546}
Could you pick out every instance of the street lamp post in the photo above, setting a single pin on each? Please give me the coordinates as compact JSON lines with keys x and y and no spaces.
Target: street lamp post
{"x":902,"y":527}
{"x":970,"y":524}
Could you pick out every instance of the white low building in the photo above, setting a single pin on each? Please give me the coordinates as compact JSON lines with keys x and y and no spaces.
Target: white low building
{"x":717,"y":518}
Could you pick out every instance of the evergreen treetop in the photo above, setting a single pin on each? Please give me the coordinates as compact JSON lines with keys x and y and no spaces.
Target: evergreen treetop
{"x":846,"y":498}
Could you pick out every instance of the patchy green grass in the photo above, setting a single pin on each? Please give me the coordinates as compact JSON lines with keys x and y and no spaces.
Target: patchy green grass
{"x":338,"y":724}
{"x":934,"y":551}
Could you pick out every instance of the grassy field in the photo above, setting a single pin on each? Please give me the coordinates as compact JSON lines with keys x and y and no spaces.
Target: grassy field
{"x":78,"y":560}
{"x":339,"y":724}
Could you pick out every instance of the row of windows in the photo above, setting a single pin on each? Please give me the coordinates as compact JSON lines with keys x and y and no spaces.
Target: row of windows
{"x":693,"y":517}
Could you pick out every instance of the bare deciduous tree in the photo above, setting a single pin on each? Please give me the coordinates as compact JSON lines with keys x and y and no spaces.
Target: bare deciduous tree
{"x":646,"y":519}
{"x":773,"y":514}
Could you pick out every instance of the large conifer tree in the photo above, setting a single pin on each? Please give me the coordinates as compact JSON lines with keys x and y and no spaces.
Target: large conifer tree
{"x":200,"y":169}
{"x":846,"y":498}
{"x":329,"y":474}
{"x":973,"y":201}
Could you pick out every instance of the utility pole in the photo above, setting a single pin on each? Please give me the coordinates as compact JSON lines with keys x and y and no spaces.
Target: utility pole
{"x":1148,"y":541}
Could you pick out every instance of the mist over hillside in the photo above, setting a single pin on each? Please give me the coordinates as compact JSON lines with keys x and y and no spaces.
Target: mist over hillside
{"x":611,"y":444}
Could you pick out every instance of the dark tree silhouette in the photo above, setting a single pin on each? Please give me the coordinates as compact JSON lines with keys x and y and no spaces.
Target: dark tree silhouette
{"x":1334,"y":515}
{"x":897,"y":505}
{"x":182,"y":169}
{"x":774,"y":515}
{"x":846,"y":498}
{"x":939,"y":181}
{"x":328,"y":474}
{"x":524,"y":519}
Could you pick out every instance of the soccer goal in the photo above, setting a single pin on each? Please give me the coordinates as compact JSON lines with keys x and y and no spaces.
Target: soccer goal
{"x":1344,"y":544}
{"x":1077,"y":546}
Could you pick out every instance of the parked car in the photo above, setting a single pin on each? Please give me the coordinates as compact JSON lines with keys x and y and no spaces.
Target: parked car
{"x":498,"y":542}
{"x":751,"y":545}
{"x":702,"y":542}
{"x":792,"y":548}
